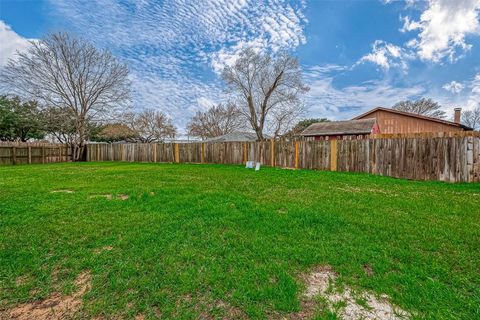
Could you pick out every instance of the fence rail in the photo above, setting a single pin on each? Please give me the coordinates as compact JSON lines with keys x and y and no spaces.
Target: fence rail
{"x":28,"y":153}
{"x":445,"y":158}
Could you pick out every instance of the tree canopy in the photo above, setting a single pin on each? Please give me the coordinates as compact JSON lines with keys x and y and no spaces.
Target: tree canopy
{"x":471,"y":118}
{"x":423,"y":106}
{"x":266,"y":89}
{"x":19,"y":121}
{"x":216,"y":121}
{"x":69,"y":74}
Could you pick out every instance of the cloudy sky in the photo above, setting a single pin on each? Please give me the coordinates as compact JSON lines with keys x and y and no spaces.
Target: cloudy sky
{"x":355,"y":55}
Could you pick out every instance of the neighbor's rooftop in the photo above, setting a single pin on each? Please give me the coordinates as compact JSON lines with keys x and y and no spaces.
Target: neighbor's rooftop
{"x":235,"y":136}
{"x":352,"y":127}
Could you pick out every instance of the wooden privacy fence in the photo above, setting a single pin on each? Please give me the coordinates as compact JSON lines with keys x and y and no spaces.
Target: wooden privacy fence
{"x":444,"y":158}
{"x":28,"y":153}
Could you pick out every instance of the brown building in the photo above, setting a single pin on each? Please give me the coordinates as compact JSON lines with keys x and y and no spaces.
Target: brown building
{"x":349,"y":129}
{"x":394,"y":121}
{"x":382,"y":120}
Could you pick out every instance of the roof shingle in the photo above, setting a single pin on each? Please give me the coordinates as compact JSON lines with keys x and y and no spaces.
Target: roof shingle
{"x":352,"y":127}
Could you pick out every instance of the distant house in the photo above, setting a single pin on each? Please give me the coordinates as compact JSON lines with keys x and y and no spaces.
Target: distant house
{"x":340,"y":129}
{"x":236,"y":136}
{"x":394,"y":121}
{"x":382,"y":120}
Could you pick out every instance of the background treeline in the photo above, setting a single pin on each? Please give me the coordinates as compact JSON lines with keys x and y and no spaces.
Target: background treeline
{"x":29,"y":120}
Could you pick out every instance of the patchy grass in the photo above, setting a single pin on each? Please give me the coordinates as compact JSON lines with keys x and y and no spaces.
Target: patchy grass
{"x":212,"y":241}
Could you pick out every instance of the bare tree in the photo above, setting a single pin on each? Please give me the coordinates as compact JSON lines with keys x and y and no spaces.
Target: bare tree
{"x":66,"y":72}
{"x":284,"y":118}
{"x":267,"y":90}
{"x":423,"y":106}
{"x":150,"y":125}
{"x":471,"y":118}
{"x":216,"y":121}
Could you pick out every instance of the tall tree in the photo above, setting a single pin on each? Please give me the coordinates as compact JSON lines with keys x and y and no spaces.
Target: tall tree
{"x":216,"y":121}
{"x":67,"y":72}
{"x":423,"y":106}
{"x":151,"y":125}
{"x":19,"y":121}
{"x":471,"y":118}
{"x":267,"y":90}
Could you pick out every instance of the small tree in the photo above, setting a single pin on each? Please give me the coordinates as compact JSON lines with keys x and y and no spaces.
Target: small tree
{"x":216,"y":121}
{"x":19,"y":121}
{"x":67,"y":73}
{"x":302,"y":125}
{"x":150,"y":126}
{"x":471,"y":118}
{"x":112,"y":132}
{"x":423,"y":106}
{"x":267,"y":90}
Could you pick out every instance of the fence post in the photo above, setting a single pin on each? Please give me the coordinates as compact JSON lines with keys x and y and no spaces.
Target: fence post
{"x":245,"y":156}
{"x":154,"y":152}
{"x":333,"y":155}
{"x":177,"y":153}
{"x":272,"y":152}
{"x":296,"y":154}
{"x":203,"y":153}
{"x":29,"y":155}
{"x":43,"y":154}
{"x":14,"y":155}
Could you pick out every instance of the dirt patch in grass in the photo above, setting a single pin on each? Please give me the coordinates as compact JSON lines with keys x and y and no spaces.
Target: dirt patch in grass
{"x":107,"y":196}
{"x":20,"y":281}
{"x":102,"y":249}
{"x":122,"y":196}
{"x":346,"y":303}
{"x":368,"y":270}
{"x":62,"y":191}
{"x":55,"y":307}
{"x":230,"y":312}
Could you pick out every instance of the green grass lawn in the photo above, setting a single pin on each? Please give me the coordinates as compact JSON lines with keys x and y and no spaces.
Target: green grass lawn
{"x":192,"y":239}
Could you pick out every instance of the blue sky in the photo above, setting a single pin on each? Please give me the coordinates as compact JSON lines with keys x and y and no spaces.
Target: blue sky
{"x":355,"y":55}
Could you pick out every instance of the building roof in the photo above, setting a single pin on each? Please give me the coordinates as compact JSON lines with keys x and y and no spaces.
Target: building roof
{"x":235,"y":136}
{"x":414,"y":115}
{"x":352,"y":127}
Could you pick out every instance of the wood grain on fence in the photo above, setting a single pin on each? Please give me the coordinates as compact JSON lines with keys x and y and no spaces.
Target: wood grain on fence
{"x":28,"y":153}
{"x":453,"y":158}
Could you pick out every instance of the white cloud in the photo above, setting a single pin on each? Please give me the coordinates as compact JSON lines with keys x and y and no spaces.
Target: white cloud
{"x":327,"y":100}
{"x":473,"y":99}
{"x":386,"y":55}
{"x":443,"y":27}
{"x":10,"y":43}
{"x":453,"y":87}
{"x":468,"y":98}
{"x":176,"y":48}
{"x":205,"y":103}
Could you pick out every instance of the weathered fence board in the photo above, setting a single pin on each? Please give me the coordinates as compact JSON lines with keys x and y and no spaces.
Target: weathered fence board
{"x":28,"y":153}
{"x":454,"y":158}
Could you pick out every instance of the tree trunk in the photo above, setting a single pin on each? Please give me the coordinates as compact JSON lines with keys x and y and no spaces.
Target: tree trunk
{"x":80,"y":143}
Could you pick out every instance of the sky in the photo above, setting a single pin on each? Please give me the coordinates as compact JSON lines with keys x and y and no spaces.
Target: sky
{"x":354,"y":55}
